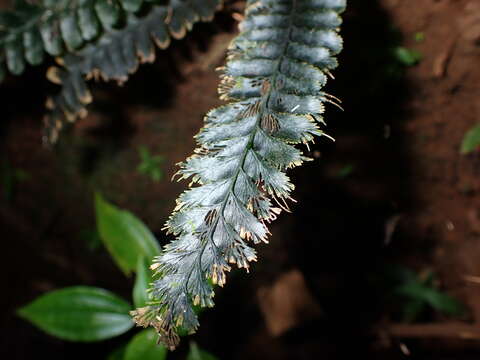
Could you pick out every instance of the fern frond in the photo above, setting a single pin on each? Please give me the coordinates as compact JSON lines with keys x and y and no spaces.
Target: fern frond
{"x":55,"y":27}
{"x":273,"y":81}
{"x":117,"y":54}
{"x":104,"y":39}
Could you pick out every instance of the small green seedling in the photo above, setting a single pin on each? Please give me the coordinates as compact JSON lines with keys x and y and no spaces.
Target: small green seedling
{"x":90,"y":314}
{"x":150,"y":164}
{"x":420,"y":292}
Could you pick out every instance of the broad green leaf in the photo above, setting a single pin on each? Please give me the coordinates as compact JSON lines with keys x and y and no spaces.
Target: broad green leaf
{"x":142,"y":281}
{"x":79,"y":313}
{"x":196,"y":353}
{"x":471,"y":140}
{"x":143,"y":346}
{"x":124,"y":235}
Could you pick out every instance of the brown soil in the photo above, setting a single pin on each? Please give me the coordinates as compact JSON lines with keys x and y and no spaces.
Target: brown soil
{"x":411,"y":200}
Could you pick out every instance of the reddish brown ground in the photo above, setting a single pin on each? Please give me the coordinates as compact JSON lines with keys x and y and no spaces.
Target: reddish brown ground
{"x":411,"y":187}
{"x":443,"y":106}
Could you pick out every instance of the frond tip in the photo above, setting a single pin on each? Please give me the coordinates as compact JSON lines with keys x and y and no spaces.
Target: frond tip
{"x":273,"y":81}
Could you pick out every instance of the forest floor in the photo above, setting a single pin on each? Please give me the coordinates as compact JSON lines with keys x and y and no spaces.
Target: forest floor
{"x":393,"y":192}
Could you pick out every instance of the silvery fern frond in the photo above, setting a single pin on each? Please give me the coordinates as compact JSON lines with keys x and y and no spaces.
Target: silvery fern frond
{"x":273,"y":81}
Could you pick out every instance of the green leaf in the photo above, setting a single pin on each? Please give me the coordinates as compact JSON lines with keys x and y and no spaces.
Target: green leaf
{"x":142,"y":282}
{"x":471,"y":140}
{"x":436,"y":299}
{"x":143,"y":346}
{"x":407,"y":57}
{"x":196,"y":353}
{"x":124,"y":235}
{"x":79,"y":313}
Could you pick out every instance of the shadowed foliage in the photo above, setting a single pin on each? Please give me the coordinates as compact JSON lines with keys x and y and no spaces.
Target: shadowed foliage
{"x":101,"y":39}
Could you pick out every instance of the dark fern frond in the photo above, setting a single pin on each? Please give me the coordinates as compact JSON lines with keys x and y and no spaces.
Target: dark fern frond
{"x":273,"y":80}
{"x":56,"y":27}
{"x":104,"y":39}
{"x":117,"y":54}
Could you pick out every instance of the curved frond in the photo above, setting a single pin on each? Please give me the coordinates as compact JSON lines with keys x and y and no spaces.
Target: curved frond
{"x":273,"y":81}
